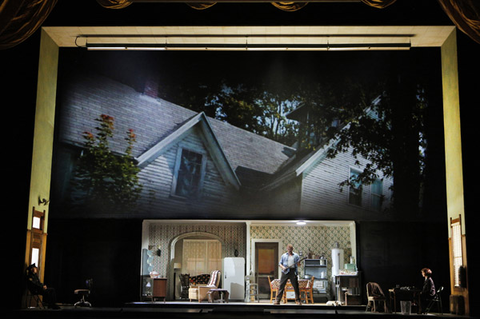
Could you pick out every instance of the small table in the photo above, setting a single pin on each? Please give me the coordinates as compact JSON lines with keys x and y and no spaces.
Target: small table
{"x":212,"y":294}
{"x":410,"y":294}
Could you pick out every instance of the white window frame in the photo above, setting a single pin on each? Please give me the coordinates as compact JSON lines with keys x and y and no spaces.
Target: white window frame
{"x":350,"y":201}
{"x":457,"y":249}
{"x":178,"y":162}
{"x":376,"y":196}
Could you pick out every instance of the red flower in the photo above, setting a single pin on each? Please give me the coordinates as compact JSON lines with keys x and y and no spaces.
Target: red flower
{"x":88,"y":135}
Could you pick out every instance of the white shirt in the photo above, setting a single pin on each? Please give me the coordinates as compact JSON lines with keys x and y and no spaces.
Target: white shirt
{"x":290,"y":261}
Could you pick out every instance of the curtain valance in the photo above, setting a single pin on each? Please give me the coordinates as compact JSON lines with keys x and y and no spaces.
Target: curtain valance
{"x":19,"y":19}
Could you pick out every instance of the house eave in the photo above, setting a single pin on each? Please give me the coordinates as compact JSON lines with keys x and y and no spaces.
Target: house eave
{"x":212,"y":144}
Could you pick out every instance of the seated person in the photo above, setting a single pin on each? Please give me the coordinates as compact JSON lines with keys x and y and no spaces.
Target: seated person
{"x":428,"y":289}
{"x":35,"y":286}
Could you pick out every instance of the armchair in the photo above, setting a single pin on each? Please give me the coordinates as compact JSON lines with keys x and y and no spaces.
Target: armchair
{"x":200,"y":292}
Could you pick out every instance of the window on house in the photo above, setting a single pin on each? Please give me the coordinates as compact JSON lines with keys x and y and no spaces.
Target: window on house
{"x":355,"y":191}
{"x":189,"y":172}
{"x":377,"y":195}
{"x":201,"y":256}
{"x":456,"y":244}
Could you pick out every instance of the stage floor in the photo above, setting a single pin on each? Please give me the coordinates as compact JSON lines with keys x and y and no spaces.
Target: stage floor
{"x":205,"y":310}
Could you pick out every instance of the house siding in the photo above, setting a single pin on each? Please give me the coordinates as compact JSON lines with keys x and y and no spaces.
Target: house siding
{"x":324,"y":198}
{"x":285,"y":200}
{"x":313,"y":194}
{"x":157,"y":179}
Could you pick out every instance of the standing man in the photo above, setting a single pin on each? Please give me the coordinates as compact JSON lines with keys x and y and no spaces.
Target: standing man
{"x":289,"y":263}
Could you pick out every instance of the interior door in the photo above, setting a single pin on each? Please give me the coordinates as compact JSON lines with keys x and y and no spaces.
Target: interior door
{"x":266,"y":264}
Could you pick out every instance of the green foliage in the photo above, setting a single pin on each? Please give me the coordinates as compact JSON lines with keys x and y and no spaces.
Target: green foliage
{"x":107,"y":181}
{"x":256,"y":110}
{"x":338,"y":92}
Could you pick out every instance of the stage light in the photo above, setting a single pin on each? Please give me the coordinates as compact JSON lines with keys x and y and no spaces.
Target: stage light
{"x":251,"y":47}
{"x":235,"y":42}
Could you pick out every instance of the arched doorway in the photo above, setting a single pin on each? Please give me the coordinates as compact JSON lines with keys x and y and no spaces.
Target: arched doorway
{"x":177,"y":265}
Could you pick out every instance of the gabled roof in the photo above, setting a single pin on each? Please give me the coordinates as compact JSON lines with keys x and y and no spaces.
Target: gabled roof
{"x":253,"y":158}
{"x":295,"y":167}
{"x":215,"y":150}
{"x":302,"y":163}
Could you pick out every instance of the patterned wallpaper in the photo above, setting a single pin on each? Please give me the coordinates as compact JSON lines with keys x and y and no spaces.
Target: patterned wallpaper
{"x":316,"y":239}
{"x":161,"y":235}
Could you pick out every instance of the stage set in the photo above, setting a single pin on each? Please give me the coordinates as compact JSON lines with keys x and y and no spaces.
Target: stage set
{"x":201,"y":181}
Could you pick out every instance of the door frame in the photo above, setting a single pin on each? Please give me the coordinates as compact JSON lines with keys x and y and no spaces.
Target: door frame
{"x":262,"y":240}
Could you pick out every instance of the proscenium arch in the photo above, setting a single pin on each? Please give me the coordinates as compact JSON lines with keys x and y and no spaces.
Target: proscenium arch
{"x":52,"y":38}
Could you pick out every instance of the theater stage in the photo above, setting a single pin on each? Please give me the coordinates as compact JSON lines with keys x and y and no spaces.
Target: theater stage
{"x":264,"y":310}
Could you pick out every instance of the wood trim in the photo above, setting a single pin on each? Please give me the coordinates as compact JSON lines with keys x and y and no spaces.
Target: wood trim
{"x":462,"y":291}
{"x":37,"y":238}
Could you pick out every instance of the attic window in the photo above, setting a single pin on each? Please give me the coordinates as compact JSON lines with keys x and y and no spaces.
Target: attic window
{"x":377,"y":195}
{"x":189,"y":172}
{"x":355,"y":190}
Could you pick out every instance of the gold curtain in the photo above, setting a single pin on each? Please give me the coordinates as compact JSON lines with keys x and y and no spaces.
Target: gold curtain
{"x":19,"y":19}
{"x":201,"y":6}
{"x":465,"y":14}
{"x":114,"y":4}
{"x":289,"y":6}
{"x":379,"y":4}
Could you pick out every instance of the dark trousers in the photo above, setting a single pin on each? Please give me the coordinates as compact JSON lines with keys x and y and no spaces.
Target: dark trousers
{"x":49,"y":296}
{"x":283,"y":281}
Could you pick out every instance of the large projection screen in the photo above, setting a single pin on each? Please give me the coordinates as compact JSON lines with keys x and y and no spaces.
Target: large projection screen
{"x":52,"y":38}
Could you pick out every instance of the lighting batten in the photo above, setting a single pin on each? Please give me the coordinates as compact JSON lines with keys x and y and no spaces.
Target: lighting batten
{"x":249,"y":47}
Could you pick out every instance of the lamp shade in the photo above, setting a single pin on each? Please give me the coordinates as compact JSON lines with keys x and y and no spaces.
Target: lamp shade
{"x":177,"y":265}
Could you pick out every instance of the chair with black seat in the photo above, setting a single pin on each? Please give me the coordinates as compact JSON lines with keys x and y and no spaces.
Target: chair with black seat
{"x":185,"y":285}
{"x":84,"y":292}
{"x":375,"y":294}
{"x":35,"y":296}
{"x":31,"y":291}
{"x":437,"y":299}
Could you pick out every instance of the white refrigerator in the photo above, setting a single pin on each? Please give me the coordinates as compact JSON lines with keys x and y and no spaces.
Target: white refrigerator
{"x":234,"y":277}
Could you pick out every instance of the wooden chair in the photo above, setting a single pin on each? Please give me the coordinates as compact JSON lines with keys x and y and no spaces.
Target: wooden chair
{"x":303,"y":289}
{"x":274,"y":286}
{"x":308,"y":291}
{"x":375,"y":294}
{"x":251,"y":291}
